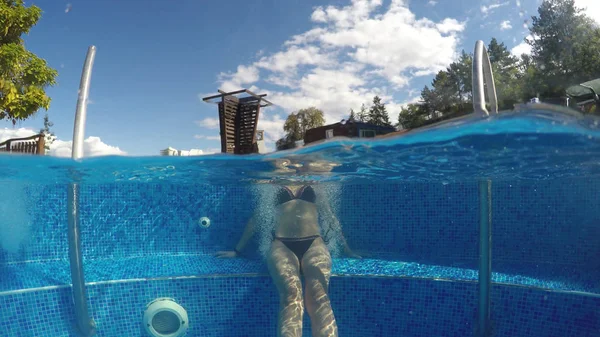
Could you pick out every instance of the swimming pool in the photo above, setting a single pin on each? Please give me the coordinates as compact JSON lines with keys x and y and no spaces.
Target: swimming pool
{"x":410,"y":203}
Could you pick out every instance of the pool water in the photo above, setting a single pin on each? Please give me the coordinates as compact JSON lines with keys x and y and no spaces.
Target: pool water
{"x":409,"y":205}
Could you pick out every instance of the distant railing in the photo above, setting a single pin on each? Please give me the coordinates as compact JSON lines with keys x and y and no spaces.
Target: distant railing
{"x":29,"y":145}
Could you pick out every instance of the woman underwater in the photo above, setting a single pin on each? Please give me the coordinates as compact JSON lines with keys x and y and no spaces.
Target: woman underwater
{"x":297,"y":249}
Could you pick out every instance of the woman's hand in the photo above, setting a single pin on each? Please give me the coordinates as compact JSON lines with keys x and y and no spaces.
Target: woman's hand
{"x":226,"y":254}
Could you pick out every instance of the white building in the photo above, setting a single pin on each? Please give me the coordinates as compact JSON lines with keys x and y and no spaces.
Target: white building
{"x":260,"y":141}
{"x":174,"y":152}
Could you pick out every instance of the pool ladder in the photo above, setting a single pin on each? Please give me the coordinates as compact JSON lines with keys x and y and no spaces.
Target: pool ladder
{"x":483,"y":78}
{"x":85,"y":325}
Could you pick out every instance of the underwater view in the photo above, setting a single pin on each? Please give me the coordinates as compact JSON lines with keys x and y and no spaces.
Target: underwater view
{"x":324,"y":168}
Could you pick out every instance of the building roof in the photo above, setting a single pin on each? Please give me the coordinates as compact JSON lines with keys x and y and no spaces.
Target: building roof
{"x":357,"y":124}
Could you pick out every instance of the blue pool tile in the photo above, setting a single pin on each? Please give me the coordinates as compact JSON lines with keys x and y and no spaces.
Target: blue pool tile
{"x":54,"y":273}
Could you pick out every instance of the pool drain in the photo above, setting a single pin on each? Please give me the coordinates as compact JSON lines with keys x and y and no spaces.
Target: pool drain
{"x":204,"y":222}
{"x":165,"y":318}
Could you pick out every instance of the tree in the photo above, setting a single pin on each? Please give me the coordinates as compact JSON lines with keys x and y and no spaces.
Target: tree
{"x":23,"y":75}
{"x":412,"y":116}
{"x":297,"y":123}
{"x":378,"y":114}
{"x":49,"y":135}
{"x":352,"y":116}
{"x":363,"y":114}
{"x":563,"y":51}
{"x":507,"y":75}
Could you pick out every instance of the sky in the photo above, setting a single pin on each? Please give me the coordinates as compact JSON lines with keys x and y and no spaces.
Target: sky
{"x":155,"y":60}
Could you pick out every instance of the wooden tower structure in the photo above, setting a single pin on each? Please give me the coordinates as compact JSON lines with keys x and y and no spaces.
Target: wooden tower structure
{"x":238,"y":119}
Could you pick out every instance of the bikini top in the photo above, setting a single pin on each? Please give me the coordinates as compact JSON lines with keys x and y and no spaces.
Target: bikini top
{"x":305,"y":193}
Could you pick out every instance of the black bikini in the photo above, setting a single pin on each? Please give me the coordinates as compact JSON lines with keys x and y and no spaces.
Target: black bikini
{"x":298,"y":246}
{"x":305,"y":193}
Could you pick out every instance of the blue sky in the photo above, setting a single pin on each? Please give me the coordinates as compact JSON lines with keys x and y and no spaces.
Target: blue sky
{"x":156,"y":59}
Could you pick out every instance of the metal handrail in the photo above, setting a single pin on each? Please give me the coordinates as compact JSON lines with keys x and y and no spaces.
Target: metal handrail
{"x":85,"y":325}
{"x":81,"y":112}
{"x":484,"y":328}
{"x":482,"y":76}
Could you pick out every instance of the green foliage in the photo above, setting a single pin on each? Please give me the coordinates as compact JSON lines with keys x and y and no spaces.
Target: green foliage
{"x":378,"y":114}
{"x":297,"y":123}
{"x":412,"y":116}
{"x":352,"y":116}
{"x":363,"y":115}
{"x":23,"y":75}
{"x":565,"y":51}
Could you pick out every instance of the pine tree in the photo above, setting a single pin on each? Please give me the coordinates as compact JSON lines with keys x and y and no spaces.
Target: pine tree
{"x":378,"y":114}
{"x":49,"y":135}
{"x":352,"y":116}
{"x":363,"y":114}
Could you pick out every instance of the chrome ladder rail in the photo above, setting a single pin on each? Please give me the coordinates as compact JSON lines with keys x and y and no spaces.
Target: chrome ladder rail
{"x":483,"y":77}
{"x":85,"y":325}
{"x":484,"y":326}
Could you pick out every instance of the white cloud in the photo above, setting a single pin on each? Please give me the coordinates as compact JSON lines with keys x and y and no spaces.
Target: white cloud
{"x":486,"y":10}
{"x":504,"y":25}
{"x":522,"y":48}
{"x":350,"y":15}
{"x":235,"y":81}
{"x":92,"y":146}
{"x":7,"y":133}
{"x":207,"y":137}
{"x":287,"y":61}
{"x":432,"y":3}
{"x":450,"y":26}
{"x":350,"y":54}
{"x":209,"y":123}
{"x":273,"y":126}
{"x":591,"y":8}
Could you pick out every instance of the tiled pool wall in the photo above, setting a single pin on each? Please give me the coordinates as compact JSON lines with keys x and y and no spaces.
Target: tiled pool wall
{"x":533,"y":222}
{"x":364,"y":307}
{"x":541,"y":222}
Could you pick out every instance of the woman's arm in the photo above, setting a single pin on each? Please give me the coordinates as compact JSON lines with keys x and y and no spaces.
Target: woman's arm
{"x":337,"y":227}
{"x":246,"y":236}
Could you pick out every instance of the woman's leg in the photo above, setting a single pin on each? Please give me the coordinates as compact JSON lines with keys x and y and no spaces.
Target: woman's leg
{"x":284,"y":268}
{"x":316,"y":266}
